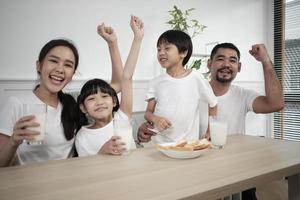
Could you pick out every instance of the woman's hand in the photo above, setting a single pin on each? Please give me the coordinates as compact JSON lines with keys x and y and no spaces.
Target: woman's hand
{"x":21,"y":131}
{"x":113,"y":146}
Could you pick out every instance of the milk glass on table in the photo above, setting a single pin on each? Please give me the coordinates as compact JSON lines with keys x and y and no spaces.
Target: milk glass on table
{"x":218,"y":132}
{"x":123,"y":128}
{"x":40,"y":113}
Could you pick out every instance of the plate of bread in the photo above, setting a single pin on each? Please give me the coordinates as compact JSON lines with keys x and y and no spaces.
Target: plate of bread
{"x":185,"y":149}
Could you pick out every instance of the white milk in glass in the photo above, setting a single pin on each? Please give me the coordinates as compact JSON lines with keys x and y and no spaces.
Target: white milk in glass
{"x":218,"y":133}
{"x":41,"y":119}
{"x":40,"y":113}
{"x":126,"y":136}
{"x":123,"y":129}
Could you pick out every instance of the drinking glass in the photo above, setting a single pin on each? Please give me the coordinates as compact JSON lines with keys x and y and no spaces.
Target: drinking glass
{"x":218,"y":132}
{"x":40,"y":113}
{"x":123,"y":128}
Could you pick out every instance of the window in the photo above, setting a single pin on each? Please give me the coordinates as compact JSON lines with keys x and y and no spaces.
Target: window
{"x":287,"y":66}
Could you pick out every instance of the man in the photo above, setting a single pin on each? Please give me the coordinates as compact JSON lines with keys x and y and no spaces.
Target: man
{"x":233,"y":101}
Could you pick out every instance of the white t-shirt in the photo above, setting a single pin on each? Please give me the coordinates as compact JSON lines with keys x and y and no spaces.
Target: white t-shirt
{"x":89,"y":141}
{"x":178,"y":100}
{"x":55,"y":146}
{"x":233,"y":107}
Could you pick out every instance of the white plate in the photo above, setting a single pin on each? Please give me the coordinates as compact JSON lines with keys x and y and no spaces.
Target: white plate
{"x":181,"y":154}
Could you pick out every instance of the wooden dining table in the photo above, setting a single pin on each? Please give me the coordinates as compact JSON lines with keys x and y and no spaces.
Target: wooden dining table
{"x":245,"y":162}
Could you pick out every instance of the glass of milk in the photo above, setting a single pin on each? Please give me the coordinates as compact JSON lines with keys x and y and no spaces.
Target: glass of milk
{"x":40,"y":113}
{"x":123,"y":128}
{"x":218,"y":132}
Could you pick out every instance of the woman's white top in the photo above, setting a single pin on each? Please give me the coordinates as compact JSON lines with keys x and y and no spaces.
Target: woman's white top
{"x":55,"y":145}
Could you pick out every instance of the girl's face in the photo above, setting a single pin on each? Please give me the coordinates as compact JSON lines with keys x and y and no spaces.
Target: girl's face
{"x":57,"y":69}
{"x":99,"y":106}
{"x":168,"y":55}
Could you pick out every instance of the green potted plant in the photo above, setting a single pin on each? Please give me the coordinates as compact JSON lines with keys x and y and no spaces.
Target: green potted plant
{"x":180,"y":20}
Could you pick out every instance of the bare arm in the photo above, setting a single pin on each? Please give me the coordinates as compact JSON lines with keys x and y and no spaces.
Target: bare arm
{"x":149,"y":116}
{"x":144,"y":133}
{"x":213,"y":111}
{"x":7,"y":150}
{"x":126,"y":104}
{"x":108,"y":34}
{"x":10,"y":144}
{"x":273,"y":100}
{"x":161,"y":123}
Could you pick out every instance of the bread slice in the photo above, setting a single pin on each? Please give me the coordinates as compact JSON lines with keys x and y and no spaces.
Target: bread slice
{"x":201,"y":146}
{"x":181,"y":143}
{"x":183,"y":148}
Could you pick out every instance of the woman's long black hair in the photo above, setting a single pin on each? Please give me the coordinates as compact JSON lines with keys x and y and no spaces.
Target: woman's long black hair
{"x":93,"y":86}
{"x":69,"y":115}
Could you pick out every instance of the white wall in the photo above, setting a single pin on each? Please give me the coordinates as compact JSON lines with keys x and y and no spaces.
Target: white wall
{"x":27,"y":25}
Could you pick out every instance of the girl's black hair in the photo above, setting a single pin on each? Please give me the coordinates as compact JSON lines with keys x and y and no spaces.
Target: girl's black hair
{"x":92,"y":87}
{"x":69,"y":115}
{"x":180,"y":39}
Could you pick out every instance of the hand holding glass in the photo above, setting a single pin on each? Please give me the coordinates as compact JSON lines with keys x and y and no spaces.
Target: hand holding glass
{"x":123,"y":129}
{"x":218,"y":132}
{"x":40,"y":113}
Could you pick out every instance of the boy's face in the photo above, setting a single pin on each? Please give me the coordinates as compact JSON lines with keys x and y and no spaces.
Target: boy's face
{"x":168,"y":55}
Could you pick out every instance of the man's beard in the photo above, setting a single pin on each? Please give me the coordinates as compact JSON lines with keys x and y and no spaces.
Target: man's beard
{"x":224,"y":80}
{"x":220,"y":79}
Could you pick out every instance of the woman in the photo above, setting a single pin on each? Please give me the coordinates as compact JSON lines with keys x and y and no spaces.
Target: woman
{"x":56,"y":65}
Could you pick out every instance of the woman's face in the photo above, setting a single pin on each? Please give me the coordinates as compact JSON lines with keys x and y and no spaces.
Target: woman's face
{"x":57,"y":69}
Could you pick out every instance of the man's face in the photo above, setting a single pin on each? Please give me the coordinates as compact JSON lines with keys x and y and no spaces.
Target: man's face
{"x":224,"y":66}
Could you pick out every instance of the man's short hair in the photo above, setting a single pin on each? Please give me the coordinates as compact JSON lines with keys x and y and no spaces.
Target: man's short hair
{"x":225,"y":45}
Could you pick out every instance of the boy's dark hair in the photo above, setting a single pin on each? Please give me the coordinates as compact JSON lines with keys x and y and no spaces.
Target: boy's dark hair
{"x":180,"y":39}
{"x":226,"y":45}
{"x":92,"y":87}
{"x":69,"y":116}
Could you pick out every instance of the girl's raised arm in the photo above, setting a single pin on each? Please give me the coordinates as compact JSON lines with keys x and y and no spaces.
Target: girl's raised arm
{"x":108,"y":34}
{"x":126,"y":104}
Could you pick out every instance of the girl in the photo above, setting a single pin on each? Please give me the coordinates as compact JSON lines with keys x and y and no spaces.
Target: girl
{"x":56,"y":65}
{"x":99,"y":100}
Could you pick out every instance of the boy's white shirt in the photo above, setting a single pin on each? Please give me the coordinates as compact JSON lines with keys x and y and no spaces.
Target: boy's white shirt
{"x":54,"y":147}
{"x":89,"y":141}
{"x":178,"y":100}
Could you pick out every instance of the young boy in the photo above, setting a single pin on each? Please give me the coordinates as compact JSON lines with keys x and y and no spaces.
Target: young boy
{"x":174,"y":97}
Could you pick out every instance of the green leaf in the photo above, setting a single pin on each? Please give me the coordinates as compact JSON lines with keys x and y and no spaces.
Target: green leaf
{"x":196,"y":64}
{"x":180,"y":21}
